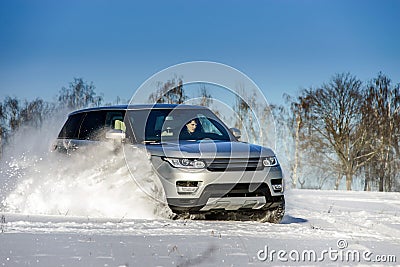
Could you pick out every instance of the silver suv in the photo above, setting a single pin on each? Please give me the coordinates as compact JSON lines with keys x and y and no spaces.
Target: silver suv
{"x":204,"y":168}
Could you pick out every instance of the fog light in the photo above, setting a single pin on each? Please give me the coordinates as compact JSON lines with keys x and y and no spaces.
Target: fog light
{"x":277,"y":187}
{"x":187,"y":187}
{"x":186,"y":190}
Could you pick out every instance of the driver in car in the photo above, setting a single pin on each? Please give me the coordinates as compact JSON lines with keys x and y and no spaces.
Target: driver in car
{"x":190,"y":131}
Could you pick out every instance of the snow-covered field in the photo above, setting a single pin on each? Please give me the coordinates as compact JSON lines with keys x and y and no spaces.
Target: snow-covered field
{"x":320,"y":227}
{"x":91,"y":210}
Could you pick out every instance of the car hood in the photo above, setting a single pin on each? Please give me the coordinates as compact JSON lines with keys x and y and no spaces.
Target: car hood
{"x":208,"y":149}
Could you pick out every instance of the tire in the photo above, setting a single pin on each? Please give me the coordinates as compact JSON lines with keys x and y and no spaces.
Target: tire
{"x":273,"y":215}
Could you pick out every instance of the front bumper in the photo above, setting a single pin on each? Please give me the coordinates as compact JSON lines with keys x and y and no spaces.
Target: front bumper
{"x":229,"y":190}
{"x":227,"y":197}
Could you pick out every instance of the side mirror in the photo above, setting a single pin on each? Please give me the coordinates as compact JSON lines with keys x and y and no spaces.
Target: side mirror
{"x":236,"y":133}
{"x":115,"y":135}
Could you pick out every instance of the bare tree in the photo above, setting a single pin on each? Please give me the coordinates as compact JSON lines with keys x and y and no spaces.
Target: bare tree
{"x":246,"y":110}
{"x":332,"y":118}
{"x":79,"y":94}
{"x":205,"y":96}
{"x":287,"y":141}
{"x":11,"y":108}
{"x":170,"y":92}
{"x":32,"y":113}
{"x":381,"y":111}
{"x":295,"y":122}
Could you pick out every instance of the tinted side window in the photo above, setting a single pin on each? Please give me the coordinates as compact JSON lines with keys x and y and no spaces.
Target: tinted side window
{"x":92,"y":124}
{"x":71,"y":127}
{"x":112,"y":116}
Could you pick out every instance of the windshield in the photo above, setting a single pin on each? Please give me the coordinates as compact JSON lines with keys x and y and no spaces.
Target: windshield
{"x":176,"y":124}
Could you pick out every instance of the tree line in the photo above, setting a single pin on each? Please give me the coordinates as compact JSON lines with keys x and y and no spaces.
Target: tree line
{"x":16,"y":113}
{"x":345,"y":132}
{"x":347,"y":129}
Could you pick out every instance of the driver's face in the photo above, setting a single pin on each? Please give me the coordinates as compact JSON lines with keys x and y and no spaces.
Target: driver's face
{"x":191,"y":126}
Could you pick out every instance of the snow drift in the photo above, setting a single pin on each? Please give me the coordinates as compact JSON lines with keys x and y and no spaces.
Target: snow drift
{"x":96,"y":182}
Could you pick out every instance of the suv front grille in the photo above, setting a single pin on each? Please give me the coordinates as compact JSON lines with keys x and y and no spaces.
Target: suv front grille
{"x":236,"y":190}
{"x":233,"y":164}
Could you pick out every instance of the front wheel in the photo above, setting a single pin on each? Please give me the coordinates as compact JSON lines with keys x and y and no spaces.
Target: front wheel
{"x":272,"y":215}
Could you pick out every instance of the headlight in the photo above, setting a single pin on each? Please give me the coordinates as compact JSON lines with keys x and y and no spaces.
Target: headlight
{"x":186,"y":163}
{"x":270,"y":161}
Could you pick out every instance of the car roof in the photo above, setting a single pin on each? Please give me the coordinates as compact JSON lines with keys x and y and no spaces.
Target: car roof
{"x":139,"y":107}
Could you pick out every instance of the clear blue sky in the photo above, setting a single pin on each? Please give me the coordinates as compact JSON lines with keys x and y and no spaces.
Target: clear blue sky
{"x":282,"y":45}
